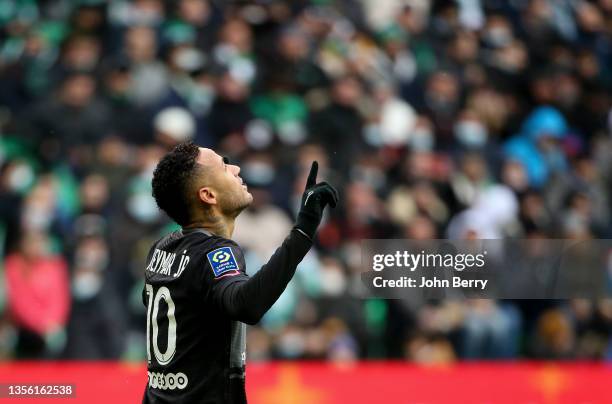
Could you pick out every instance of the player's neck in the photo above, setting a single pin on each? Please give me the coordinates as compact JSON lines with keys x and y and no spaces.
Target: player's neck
{"x":218,"y":225}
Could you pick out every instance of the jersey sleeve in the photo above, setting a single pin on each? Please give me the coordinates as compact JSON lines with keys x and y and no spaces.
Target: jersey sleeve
{"x":222,"y":266}
{"x":245,"y":298}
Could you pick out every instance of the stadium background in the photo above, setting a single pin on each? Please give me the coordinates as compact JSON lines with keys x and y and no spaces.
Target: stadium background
{"x":485,"y":119}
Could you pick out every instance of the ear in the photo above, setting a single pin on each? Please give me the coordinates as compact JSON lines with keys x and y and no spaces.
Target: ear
{"x":207,"y":195}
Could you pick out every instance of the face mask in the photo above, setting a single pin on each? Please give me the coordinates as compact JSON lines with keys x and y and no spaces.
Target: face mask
{"x":291,"y":132}
{"x":375,"y":178}
{"x":37,"y":219}
{"x":371,"y":134}
{"x":189,"y":59}
{"x":86,"y":285}
{"x":242,"y":70}
{"x":422,"y":140}
{"x":498,"y":37}
{"x":333,"y":282}
{"x":440,"y":104}
{"x":471,"y":133}
{"x":92,"y":258}
{"x":291,"y":345}
{"x":143,"y":208}
{"x":258,"y":134}
{"x":201,"y":99}
{"x":20,"y":178}
{"x":258,"y":173}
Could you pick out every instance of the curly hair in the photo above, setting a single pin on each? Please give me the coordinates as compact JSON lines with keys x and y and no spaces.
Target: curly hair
{"x":171,"y":181}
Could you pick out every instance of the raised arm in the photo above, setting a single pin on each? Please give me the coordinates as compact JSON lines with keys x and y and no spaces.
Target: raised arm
{"x":248,"y":299}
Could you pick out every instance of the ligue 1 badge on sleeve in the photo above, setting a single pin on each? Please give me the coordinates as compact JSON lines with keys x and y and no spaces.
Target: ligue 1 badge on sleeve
{"x":222,"y":261}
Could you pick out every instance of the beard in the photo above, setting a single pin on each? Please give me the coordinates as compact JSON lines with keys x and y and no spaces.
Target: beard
{"x":232,"y":204}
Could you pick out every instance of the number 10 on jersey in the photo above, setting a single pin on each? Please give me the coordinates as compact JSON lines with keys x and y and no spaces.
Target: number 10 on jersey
{"x":154,"y":299}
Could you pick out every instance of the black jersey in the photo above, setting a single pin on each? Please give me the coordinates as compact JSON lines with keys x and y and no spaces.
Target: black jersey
{"x":198,"y":298}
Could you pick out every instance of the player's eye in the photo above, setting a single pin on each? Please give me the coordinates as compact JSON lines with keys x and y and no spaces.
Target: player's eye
{"x":226,"y":160}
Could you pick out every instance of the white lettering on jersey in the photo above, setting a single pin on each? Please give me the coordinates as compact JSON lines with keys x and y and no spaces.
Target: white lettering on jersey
{"x":166,"y":381}
{"x":182,"y":264}
{"x":161,"y":262}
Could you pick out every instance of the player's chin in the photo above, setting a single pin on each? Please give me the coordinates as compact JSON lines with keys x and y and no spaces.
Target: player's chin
{"x":248,"y":197}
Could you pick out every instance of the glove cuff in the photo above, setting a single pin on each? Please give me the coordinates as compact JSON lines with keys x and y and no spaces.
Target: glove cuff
{"x":303,"y":233}
{"x":308,"y":223}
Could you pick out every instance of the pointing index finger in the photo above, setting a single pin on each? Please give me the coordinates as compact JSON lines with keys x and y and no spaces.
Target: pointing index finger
{"x":312,"y":177}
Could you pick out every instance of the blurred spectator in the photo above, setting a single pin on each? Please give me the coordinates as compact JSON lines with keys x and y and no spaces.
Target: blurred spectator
{"x":490,"y":331}
{"x":173,"y":126}
{"x":230,"y":114}
{"x":38,"y":296}
{"x":555,"y":337}
{"x":538,"y":147}
{"x":338,"y":127}
{"x":54,"y":134}
{"x":95,"y":327}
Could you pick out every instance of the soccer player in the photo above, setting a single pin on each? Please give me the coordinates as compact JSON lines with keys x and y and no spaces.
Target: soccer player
{"x":197,"y":293}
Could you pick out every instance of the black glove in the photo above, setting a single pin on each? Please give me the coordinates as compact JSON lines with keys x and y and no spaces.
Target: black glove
{"x":314,"y":199}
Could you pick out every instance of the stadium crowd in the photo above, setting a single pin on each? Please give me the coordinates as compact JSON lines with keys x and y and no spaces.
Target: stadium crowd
{"x":445,"y":119}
